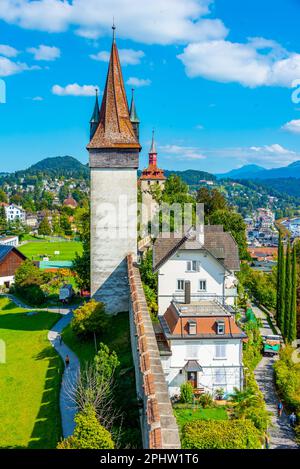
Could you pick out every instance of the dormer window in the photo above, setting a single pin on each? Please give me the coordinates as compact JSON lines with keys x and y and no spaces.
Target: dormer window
{"x":220,"y":327}
{"x":192,"y":327}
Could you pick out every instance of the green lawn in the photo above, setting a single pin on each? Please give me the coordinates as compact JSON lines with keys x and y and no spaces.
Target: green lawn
{"x":117,"y":337}
{"x":29,"y":380}
{"x":37,"y":250}
{"x":185,"y":415}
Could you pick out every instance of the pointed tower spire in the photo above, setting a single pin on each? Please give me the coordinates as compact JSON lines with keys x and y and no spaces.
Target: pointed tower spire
{"x":153,"y":152}
{"x":95,"y":117}
{"x":115,"y":129}
{"x":134,"y":117}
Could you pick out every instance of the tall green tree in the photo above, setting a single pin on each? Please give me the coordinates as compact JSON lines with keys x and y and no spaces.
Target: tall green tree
{"x":44,"y":228}
{"x":288,"y":290}
{"x":292,"y":329}
{"x":282,"y":295}
{"x":279,"y":279}
{"x":81,"y":263}
{"x":234,"y":224}
{"x":3,"y":220}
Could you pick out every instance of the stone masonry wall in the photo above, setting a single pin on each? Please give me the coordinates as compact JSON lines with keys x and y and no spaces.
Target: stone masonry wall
{"x":158,"y":424}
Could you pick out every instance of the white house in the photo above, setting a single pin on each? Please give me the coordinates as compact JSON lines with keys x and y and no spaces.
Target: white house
{"x":9,"y":240}
{"x":198,"y":337}
{"x":209,"y":264}
{"x":14,"y":212}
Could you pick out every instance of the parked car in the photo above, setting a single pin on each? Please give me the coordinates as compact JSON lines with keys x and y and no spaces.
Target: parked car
{"x":271,"y":345}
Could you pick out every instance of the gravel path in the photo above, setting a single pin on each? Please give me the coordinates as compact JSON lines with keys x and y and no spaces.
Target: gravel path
{"x":281,"y":434}
{"x":68,"y":409}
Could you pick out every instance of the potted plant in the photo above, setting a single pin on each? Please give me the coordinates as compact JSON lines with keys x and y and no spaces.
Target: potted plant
{"x":219,"y":394}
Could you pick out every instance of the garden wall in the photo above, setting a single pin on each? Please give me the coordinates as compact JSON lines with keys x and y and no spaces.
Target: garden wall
{"x":158,"y":424}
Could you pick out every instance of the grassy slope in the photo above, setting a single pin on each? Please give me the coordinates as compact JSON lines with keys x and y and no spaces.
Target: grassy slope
{"x":36,"y":250}
{"x":184,"y":416}
{"x":117,"y":337}
{"x":29,"y":381}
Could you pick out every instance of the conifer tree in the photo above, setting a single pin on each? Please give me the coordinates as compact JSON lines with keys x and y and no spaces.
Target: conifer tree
{"x":292,"y":330}
{"x":288,"y":290}
{"x":279,"y":276}
{"x":282,"y":295}
{"x":3,"y":220}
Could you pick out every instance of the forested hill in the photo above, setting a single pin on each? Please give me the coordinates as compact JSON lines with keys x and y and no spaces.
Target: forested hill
{"x":56,"y":167}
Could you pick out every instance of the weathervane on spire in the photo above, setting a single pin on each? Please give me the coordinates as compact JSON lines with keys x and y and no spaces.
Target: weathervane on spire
{"x":114,"y":29}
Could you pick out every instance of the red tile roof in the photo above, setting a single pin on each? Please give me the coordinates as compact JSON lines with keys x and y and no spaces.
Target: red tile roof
{"x":115,"y":128}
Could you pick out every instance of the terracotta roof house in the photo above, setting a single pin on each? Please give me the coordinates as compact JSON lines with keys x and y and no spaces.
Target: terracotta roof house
{"x":196,"y":295}
{"x":10,"y":259}
{"x":70,"y":202}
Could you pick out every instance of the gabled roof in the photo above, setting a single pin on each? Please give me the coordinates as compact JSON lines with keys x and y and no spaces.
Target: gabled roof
{"x":5,"y":250}
{"x":115,"y":128}
{"x":218,"y":243}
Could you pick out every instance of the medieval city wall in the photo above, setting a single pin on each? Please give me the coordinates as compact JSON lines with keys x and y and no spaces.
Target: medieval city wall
{"x":158,"y":424}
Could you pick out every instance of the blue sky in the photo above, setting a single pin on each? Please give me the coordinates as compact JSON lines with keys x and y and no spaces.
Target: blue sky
{"x":214,"y":78}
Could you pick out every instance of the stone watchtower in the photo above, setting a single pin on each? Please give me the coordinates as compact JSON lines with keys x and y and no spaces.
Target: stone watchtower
{"x":114,"y":158}
{"x":151,"y":177}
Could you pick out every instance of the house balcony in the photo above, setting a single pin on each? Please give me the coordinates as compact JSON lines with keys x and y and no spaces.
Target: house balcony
{"x":204,"y":301}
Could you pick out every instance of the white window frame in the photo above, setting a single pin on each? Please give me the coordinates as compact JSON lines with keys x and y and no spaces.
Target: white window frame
{"x":220,"y":323}
{"x":219,"y":348}
{"x":177,"y":286}
{"x":202,"y":289}
{"x":192,"y":266}
{"x":194,"y":327}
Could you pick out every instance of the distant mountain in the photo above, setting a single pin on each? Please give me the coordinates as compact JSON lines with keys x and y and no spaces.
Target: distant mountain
{"x":56,"y":167}
{"x":245,"y":172}
{"x":257,"y":172}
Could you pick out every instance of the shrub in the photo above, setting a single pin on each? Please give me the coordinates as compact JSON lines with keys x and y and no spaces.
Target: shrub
{"x":225,"y":434}
{"x":28,"y":281}
{"x":287,"y":379}
{"x":186,"y":393}
{"x":206,"y":400}
{"x":89,"y":318}
{"x":106,"y":363}
{"x":151,"y":299}
{"x":88,"y":433}
{"x":32,"y":294}
{"x":28,"y":274}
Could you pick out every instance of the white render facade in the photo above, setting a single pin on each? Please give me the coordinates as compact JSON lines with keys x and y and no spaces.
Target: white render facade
{"x":221,"y":362}
{"x":208,"y":277}
{"x":14,"y":212}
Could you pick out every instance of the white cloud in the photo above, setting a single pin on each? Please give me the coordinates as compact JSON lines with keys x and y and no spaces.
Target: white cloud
{"x":269,"y":156}
{"x":199,"y":127}
{"x":37,"y":98}
{"x":127,"y":56}
{"x":259,"y":62}
{"x":156,"y":21}
{"x":74,"y":90}
{"x":183,"y":153}
{"x":8,"y":67}
{"x":138,"y":82}
{"x":293,"y":126}
{"x":8,"y":51}
{"x":43,"y":52}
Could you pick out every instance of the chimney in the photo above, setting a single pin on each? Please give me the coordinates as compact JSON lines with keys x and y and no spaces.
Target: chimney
{"x":187,"y":292}
{"x":200,"y":223}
